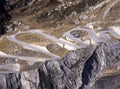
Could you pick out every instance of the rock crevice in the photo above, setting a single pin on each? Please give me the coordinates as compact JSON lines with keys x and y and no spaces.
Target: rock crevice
{"x":77,"y":70}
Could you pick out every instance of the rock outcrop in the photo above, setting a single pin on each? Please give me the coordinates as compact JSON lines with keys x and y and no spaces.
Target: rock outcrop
{"x":80,"y":69}
{"x":95,"y":67}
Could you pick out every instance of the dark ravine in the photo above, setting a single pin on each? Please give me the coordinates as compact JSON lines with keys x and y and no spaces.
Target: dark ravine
{"x":77,"y":70}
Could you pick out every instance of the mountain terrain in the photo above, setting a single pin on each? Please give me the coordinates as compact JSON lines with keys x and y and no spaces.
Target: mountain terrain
{"x":61,"y":44}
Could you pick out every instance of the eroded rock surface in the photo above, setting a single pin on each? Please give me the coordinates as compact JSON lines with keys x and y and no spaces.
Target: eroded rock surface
{"x":94,"y":67}
{"x":81,"y":69}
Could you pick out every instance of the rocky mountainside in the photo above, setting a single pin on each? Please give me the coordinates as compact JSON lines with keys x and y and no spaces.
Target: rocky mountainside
{"x":61,"y":44}
{"x":98,"y":68}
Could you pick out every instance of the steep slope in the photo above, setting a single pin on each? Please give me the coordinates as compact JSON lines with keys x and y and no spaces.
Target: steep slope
{"x":77,"y":70}
{"x":95,"y":66}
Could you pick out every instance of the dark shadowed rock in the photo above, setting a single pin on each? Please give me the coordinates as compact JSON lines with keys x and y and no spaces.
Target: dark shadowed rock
{"x":108,"y":82}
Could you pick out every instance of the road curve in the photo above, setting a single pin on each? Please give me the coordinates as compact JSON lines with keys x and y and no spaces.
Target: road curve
{"x":66,"y":43}
{"x":95,"y":37}
{"x":29,"y":46}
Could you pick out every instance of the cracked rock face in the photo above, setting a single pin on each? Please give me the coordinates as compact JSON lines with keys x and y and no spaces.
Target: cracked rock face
{"x":77,"y":70}
{"x":95,"y":67}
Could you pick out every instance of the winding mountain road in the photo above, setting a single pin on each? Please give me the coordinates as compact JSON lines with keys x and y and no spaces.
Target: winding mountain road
{"x":66,"y":41}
